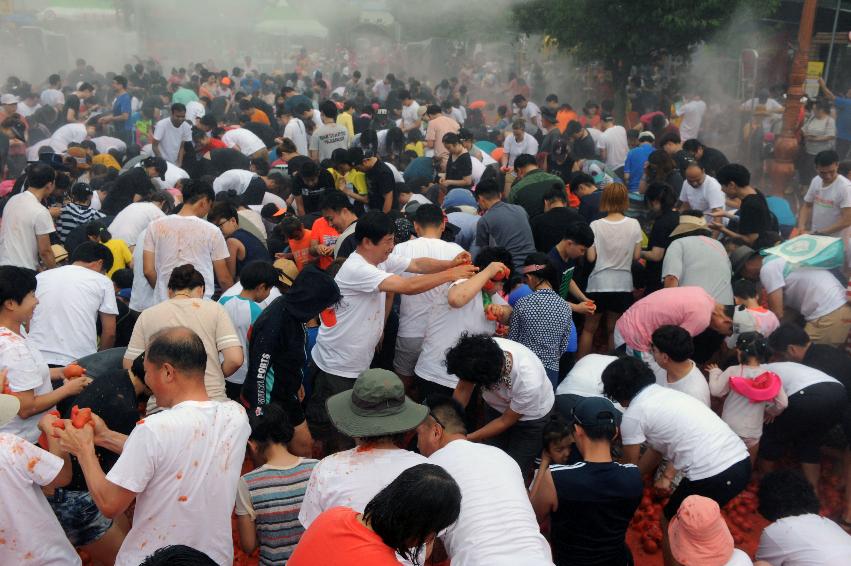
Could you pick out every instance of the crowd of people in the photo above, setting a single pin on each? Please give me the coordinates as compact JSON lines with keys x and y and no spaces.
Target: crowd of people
{"x":378,"y":320}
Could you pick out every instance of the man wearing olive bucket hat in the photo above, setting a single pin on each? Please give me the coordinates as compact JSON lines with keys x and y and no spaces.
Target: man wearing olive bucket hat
{"x":376,"y":414}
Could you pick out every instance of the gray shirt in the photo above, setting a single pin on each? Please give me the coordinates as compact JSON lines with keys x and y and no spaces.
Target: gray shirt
{"x":327,"y":138}
{"x":507,"y":226}
{"x":700,"y":262}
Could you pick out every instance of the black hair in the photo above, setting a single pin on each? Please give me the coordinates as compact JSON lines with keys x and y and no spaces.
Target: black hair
{"x":524,"y":160}
{"x":178,"y":107}
{"x":98,"y":230}
{"x":308,"y":170}
{"x":428,"y":215}
{"x":580,"y":233}
{"x":222,"y":210}
{"x":488,"y":255}
{"x":451,"y":138}
{"x":692,"y":145}
{"x":625,"y":377}
{"x":93,"y":251}
{"x":122,"y":278}
{"x":674,"y":341}
{"x":476,"y":358}
{"x":549,"y":272}
{"x":448,"y":412}
{"x":270,"y":425}
{"x":786,"y":493}
{"x":661,"y":192}
{"x":138,"y":366}
{"x":328,"y":109}
{"x":39,"y":175}
{"x":179,"y":346}
{"x":826,"y":158}
{"x":733,"y":173}
{"x":120,"y":79}
{"x":185,"y":277}
{"x":555,"y":429}
{"x":555,"y":192}
{"x":258,"y":273}
{"x":670,"y":137}
{"x":488,"y":188}
{"x":744,"y":288}
{"x":261,"y":166}
{"x":573,"y":128}
{"x":178,"y":555}
{"x":194,"y":190}
{"x":336,"y":201}
{"x":418,"y":504}
{"x":16,"y":283}
{"x":788,"y":334}
{"x":578,"y":179}
{"x":753,"y":345}
{"x":373,"y":226}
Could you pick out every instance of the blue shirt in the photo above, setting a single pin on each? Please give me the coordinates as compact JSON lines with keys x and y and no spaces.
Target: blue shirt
{"x":634,"y":165}
{"x":123,"y":105}
{"x":249,"y":85}
{"x":843,"y":118}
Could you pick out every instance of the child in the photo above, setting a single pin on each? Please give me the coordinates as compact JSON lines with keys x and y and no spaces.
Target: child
{"x":415,"y":142}
{"x":749,"y":316}
{"x":558,"y":442}
{"x":750,"y":390}
{"x":269,"y":498}
{"x":672,"y":348}
{"x":257,"y":280}
{"x":298,"y":238}
{"x":121,"y":255}
{"x":78,"y":211}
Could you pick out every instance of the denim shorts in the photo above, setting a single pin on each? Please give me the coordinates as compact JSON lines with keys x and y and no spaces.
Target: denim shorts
{"x":80,"y":518}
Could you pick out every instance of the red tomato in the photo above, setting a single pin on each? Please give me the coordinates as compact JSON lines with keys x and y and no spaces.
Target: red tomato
{"x":650,"y":546}
{"x":73,"y":370}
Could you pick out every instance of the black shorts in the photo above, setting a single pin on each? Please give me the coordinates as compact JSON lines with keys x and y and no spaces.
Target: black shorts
{"x":721,"y":487}
{"x":803,"y":425}
{"x":614,"y":301}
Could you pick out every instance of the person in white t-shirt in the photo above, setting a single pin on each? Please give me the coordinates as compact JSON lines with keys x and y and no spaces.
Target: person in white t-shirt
{"x":195,"y":110}
{"x":329,"y":136}
{"x":410,"y":115}
{"x":186,"y":238}
{"x":171,"y":133}
{"x":583,"y":380}
{"x":413,"y":311}
{"x":701,"y":192}
{"x":375,"y":413}
{"x":692,"y":113}
{"x":27,"y":223}
{"x":70,"y":133}
{"x":294,"y":130}
{"x":173,"y":461}
{"x":29,"y":377}
{"x":105,"y":143}
{"x":515,"y":386}
{"x":72,"y":298}
{"x":612,"y":145}
{"x":672,"y":348}
{"x":497,"y":524}
{"x":133,"y":219}
{"x":367,"y":280}
{"x":797,"y":534}
{"x":678,"y":427}
{"x":529,"y":112}
{"x":518,"y":143}
{"x":246,"y":141}
{"x":30,"y":531}
{"x":142,"y":293}
{"x":827,"y":204}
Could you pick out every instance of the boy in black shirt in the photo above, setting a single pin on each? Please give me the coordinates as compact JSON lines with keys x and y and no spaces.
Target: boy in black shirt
{"x":754,"y":218}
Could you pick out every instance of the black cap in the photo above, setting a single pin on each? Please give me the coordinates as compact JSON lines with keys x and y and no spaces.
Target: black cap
{"x":595,"y":411}
{"x":158,"y":162}
{"x":81,"y":191}
{"x":464,"y":134}
{"x":355,"y":155}
{"x":607,"y":118}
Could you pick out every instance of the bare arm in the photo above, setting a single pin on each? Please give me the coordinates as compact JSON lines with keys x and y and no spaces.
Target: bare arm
{"x":247,"y":533}
{"x":233,"y":358}
{"x":222,"y":272}
{"x":155,"y":146}
{"x":775,"y":303}
{"x":180,"y":153}
{"x":671,"y":281}
{"x":462,"y":293}
{"x":840,"y":225}
{"x":591,"y":254}
{"x":655,"y":253}
{"x":32,"y":404}
{"x":543,"y":495}
{"x":45,"y":252}
{"x":234,"y":247}
{"x":107,"y":333}
{"x":416,"y":285}
{"x":149,"y":268}
{"x":804,"y":216}
{"x":496,"y":427}
{"x":463,"y":392}
{"x":429,"y":265}
{"x":636,"y":253}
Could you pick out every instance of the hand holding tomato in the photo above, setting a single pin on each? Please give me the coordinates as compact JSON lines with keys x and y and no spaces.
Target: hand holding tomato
{"x":76,"y":440}
{"x":463,"y":258}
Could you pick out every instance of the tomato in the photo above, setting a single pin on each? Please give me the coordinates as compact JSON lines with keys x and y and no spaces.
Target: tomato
{"x":80,"y":417}
{"x":646,"y":502}
{"x":73,"y":370}
{"x":489,"y":287}
{"x":650,"y":546}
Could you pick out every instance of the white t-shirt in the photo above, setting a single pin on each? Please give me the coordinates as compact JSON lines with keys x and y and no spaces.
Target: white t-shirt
{"x":346,"y":349}
{"x":585,"y":378}
{"x":804,"y":540}
{"x":744,"y":416}
{"x":478,"y":169}
{"x":27,"y":372}
{"x":178,"y":240}
{"x":142,"y":294}
{"x":812,"y":292}
{"x":328,"y":137}
{"x":183,"y":464}
{"x":490,"y":529}
{"x":242,"y":312}
{"x":770,"y":105}
{"x":195,"y":110}
{"x":414,"y":309}
{"x":70,"y":297}
{"x":828,"y":201}
{"x":513,"y":148}
{"x":409,"y":114}
{"x":246,"y":141}
{"x":105,"y":143}
{"x":445,"y":326}
{"x":236,"y":180}
{"x":297,"y":133}
{"x":173,"y":174}
{"x":795,"y":376}
{"x":739,"y":558}
{"x":704,"y":197}
{"x":694,"y":384}
{"x":528,"y":390}
{"x":68,"y":134}
{"x":24,"y":219}
{"x":129,"y":224}
{"x":692,"y":113}
{"x":52,"y":97}
{"x":614,"y":142}
{"x":352,"y":478}
{"x":171,"y":138}
{"x":30,"y":531}
{"x":683,"y":430}
{"x":532,"y":114}
{"x":615,"y":245}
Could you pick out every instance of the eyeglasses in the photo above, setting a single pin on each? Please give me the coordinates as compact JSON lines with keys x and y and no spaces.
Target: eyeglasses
{"x":222,"y":223}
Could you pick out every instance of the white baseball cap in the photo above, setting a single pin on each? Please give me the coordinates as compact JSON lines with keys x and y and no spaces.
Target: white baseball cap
{"x":9,"y":99}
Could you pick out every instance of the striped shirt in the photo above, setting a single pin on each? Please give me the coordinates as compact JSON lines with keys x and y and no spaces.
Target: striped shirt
{"x":272,"y":496}
{"x":74,"y":215}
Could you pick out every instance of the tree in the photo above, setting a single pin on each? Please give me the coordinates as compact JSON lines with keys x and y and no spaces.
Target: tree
{"x":624,"y":33}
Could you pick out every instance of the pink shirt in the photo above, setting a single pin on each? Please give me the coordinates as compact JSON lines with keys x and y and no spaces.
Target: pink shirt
{"x":688,"y":307}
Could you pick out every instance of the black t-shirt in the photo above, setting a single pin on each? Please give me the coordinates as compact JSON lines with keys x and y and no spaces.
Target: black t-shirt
{"x":226,"y":158}
{"x":311,"y":197}
{"x":596,"y":502}
{"x":660,"y":237}
{"x":548,"y":228}
{"x":589,"y":206}
{"x":348,"y":246}
{"x":712,"y":160}
{"x":682,"y":159}
{"x":380,"y":181}
{"x":112,"y":397}
{"x":262,"y":131}
{"x":458,"y":168}
{"x":72,"y":102}
{"x":834,"y":362}
{"x":585,"y":148}
{"x":754,"y":216}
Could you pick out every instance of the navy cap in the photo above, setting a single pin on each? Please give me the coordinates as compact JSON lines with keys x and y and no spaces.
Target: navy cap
{"x":595,"y":411}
